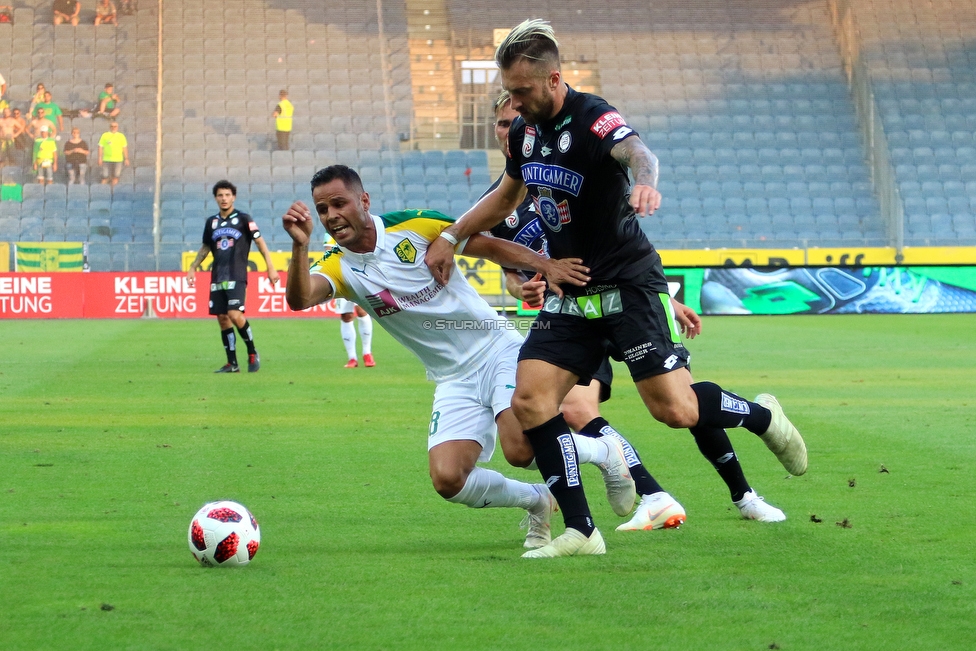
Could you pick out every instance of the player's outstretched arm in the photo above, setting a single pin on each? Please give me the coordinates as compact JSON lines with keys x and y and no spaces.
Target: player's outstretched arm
{"x":302,"y":290}
{"x":569,"y":271}
{"x":644,"y":197}
{"x":493,"y":207}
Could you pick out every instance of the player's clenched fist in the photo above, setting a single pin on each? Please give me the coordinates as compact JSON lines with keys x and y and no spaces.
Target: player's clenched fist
{"x":298,"y":222}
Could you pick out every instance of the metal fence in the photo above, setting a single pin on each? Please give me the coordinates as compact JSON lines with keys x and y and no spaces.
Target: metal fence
{"x":845,"y":25}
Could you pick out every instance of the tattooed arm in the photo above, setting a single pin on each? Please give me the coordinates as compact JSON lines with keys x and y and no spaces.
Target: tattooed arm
{"x":633,"y":153}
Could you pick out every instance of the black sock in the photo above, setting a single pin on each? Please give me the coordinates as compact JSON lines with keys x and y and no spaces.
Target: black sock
{"x":249,"y":339}
{"x":555,"y":454}
{"x":646,"y":484}
{"x":715,"y":446}
{"x":719,"y":408}
{"x":230,"y":345}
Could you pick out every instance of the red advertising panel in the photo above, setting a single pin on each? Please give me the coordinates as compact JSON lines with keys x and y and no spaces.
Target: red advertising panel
{"x":120,"y":295}
{"x":41,"y":295}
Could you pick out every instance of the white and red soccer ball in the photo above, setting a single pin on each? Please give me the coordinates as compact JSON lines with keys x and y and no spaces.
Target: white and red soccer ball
{"x":224,"y":534}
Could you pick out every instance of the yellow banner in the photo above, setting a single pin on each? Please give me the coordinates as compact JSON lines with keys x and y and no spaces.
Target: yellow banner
{"x":49,"y":256}
{"x":4,"y":257}
{"x":255,"y":261}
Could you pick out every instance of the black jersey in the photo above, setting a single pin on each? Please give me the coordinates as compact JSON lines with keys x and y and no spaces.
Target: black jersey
{"x":230,"y":240}
{"x":580,"y":192}
{"x":522,"y":227}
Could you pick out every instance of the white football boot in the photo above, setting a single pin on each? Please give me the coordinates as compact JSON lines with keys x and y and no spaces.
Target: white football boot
{"x":657,"y":511}
{"x":782,"y":438}
{"x":753,"y":507}
{"x":571,"y":543}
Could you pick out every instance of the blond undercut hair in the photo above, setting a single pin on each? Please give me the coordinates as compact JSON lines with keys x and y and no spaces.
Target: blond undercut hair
{"x":533,"y":40}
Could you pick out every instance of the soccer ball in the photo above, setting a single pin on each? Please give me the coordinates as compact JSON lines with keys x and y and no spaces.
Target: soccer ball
{"x":224,"y":534}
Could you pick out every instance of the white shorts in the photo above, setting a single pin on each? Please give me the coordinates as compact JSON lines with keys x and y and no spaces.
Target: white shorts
{"x":344,"y":306}
{"x":465,"y":409}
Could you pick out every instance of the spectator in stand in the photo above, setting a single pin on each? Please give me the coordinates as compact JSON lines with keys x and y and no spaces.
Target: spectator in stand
{"x":36,"y":99}
{"x":39,"y":122}
{"x":23,"y":141}
{"x":282,"y":114}
{"x":45,"y":156}
{"x":51,"y":110}
{"x":108,"y":102}
{"x":10,"y":129}
{"x":113,"y":153}
{"x":66,"y":11}
{"x":105,"y":13}
{"x":76,"y":157}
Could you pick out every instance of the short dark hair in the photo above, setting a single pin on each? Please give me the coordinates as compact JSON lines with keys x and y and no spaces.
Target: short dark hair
{"x":533,"y":40}
{"x":224,"y":184}
{"x":347,"y":175}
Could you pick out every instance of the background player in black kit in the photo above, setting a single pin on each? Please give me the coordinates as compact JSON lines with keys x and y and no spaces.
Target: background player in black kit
{"x":228,"y":236}
{"x":571,"y":151}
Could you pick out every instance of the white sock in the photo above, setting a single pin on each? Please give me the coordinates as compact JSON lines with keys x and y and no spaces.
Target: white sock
{"x":590,"y":450}
{"x":348,"y":331}
{"x":366,"y":333}
{"x":488,"y":488}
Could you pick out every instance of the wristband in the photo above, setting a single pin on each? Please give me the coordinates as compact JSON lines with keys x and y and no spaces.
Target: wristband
{"x":450,"y":238}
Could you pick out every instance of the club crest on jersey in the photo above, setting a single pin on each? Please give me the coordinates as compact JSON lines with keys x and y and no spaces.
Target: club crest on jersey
{"x":512,"y":220}
{"x":552,"y":214}
{"x":405,"y":251}
{"x":565,"y":140}
{"x":528,"y":143}
{"x":606,"y":123}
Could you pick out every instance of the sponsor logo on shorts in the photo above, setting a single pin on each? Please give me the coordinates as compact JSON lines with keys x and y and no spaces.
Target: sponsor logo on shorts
{"x":638,"y":352}
{"x":405,"y":251}
{"x":606,"y":123}
{"x":570,"y":461}
{"x":670,"y":362}
{"x":734,"y":405}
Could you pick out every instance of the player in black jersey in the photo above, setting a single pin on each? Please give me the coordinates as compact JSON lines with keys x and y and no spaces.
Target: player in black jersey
{"x":572,"y":152}
{"x":228,"y":236}
{"x":580,"y":407}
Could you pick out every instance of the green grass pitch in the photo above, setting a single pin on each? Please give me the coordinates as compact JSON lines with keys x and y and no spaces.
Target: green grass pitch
{"x":113,"y":433}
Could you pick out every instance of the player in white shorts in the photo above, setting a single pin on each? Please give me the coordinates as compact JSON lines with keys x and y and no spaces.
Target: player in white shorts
{"x":467,"y":349}
{"x":348,"y":311}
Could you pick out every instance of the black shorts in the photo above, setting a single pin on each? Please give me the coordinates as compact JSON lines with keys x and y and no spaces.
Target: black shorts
{"x":227,"y":296}
{"x":574,"y":333}
{"x":604,"y":375}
